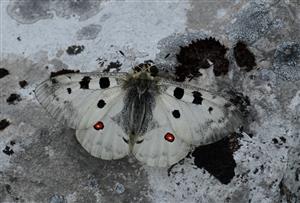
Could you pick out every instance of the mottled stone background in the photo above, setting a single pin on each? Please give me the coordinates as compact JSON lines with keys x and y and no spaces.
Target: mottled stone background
{"x":40,"y":159}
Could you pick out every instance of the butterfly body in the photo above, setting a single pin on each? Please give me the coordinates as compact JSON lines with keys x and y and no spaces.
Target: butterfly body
{"x":140,"y":92}
{"x":155,"y":119}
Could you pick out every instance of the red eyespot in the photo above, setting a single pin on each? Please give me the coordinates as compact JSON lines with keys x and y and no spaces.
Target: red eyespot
{"x":99,"y":125}
{"x":169,"y":137}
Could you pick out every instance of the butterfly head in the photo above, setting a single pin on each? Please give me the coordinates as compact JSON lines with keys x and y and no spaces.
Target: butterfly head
{"x":145,"y":70}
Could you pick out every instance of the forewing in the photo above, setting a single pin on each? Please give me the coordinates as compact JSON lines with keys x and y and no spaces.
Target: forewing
{"x":74,"y":98}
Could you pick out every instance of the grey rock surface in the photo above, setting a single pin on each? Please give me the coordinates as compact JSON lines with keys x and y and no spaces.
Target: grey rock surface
{"x":40,"y":159}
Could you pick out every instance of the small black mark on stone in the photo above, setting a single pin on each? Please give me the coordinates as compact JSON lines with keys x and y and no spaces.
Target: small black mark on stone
{"x":167,"y":56}
{"x":8,"y":150}
{"x":104,"y":82}
{"x":62,"y":72}
{"x":217,"y":159}
{"x":8,"y":188}
{"x":275,"y":141}
{"x":13,"y":99}
{"x":210,"y":109}
{"x":240,"y":101}
{"x":84,"y":83}
{"x":23,"y":83}
{"x":113,"y":65}
{"x":176,"y":113}
{"x":282,"y":139}
{"x":101,"y":104}
{"x":75,"y":49}
{"x":19,"y":38}
{"x":3,"y":72}
{"x":178,"y":92}
{"x":12,"y":142}
{"x":243,"y":56}
{"x":195,"y":56}
{"x":4,"y":123}
{"x":69,"y":90}
{"x":197,"y":98}
{"x":121,"y":52}
{"x":101,"y":61}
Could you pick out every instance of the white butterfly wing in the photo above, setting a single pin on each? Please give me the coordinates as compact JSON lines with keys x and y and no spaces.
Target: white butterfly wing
{"x":199,"y":117}
{"x":87,"y":102}
{"x":191,"y":117}
{"x":73,"y":98}
{"x":107,"y":143}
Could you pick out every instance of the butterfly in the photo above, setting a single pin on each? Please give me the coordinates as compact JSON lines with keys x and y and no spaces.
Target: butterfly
{"x":157,"y":120}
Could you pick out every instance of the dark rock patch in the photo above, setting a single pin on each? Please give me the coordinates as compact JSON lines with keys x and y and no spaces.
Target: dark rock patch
{"x":242,"y":102}
{"x":243,"y":56}
{"x":75,"y":49}
{"x":3,"y":72}
{"x":23,"y":83}
{"x":275,"y":141}
{"x":101,"y":61}
{"x":217,"y":159}
{"x":195,"y":56}
{"x":113,"y":65}
{"x":7,"y":150}
{"x":4,"y":123}
{"x":13,"y":98}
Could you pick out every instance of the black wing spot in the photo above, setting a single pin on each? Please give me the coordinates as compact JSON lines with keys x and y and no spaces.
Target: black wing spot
{"x":210,"y":109}
{"x":140,"y":141}
{"x":126,"y":141}
{"x":176,"y":113}
{"x":104,"y":82}
{"x":178,"y":92}
{"x":84,"y":83}
{"x":101,"y":103}
{"x":197,"y":97}
{"x":69,"y":90}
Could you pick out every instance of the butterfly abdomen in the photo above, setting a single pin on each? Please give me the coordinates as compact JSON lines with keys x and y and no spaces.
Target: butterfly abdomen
{"x":137,"y":113}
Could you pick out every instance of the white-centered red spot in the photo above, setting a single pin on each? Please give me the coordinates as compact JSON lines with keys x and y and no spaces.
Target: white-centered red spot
{"x":169,"y":137}
{"x":99,"y":125}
